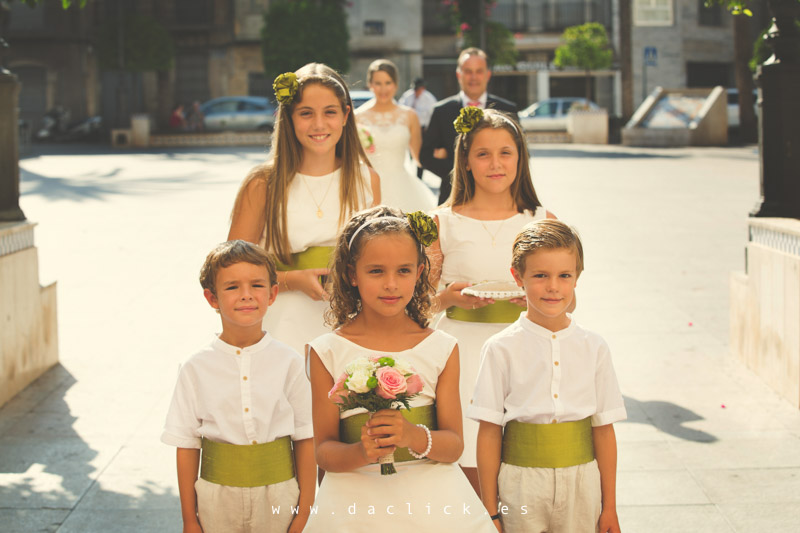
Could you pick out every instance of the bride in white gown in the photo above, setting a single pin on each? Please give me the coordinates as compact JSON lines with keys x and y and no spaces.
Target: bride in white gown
{"x":389,"y":132}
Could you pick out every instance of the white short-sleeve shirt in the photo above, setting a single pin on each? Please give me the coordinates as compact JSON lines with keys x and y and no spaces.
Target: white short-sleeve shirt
{"x":240,"y":396}
{"x":531,"y":374}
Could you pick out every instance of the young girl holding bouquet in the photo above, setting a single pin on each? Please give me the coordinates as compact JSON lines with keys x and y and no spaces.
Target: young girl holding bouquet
{"x":294,"y":204}
{"x":380,"y":305}
{"x":491,"y":200}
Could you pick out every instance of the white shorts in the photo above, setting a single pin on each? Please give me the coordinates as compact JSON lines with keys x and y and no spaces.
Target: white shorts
{"x":553,"y":500}
{"x":266,"y":509}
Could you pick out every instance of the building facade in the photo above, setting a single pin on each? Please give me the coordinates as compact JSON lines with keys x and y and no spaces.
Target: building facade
{"x":217,"y":51}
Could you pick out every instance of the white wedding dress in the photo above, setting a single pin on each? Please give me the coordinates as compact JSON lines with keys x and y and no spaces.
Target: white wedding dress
{"x":388,"y":154}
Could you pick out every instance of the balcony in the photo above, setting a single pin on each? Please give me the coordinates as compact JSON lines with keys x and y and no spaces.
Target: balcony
{"x":552,"y":16}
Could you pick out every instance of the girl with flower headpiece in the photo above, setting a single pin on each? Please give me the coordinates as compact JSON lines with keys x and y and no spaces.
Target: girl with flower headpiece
{"x":293,"y":204}
{"x":492,"y":199}
{"x":380,"y":307}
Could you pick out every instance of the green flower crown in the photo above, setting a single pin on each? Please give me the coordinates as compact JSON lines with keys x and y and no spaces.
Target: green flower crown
{"x":285,"y":87}
{"x":467,"y":119}
{"x":423,"y":227}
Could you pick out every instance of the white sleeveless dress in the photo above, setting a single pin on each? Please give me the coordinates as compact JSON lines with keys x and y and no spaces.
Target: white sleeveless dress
{"x":294,"y":318}
{"x":391,"y":135}
{"x":424,"y":495}
{"x":469,"y":256}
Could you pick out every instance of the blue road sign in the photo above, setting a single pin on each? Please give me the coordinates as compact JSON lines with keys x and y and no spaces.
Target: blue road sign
{"x":650,"y":56}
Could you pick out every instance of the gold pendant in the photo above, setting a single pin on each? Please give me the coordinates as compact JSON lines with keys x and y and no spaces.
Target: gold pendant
{"x":319,"y":213}
{"x":494,"y":244}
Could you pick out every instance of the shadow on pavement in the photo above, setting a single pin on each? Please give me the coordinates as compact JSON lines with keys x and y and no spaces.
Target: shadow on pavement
{"x":99,"y":186}
{"x":47,"y":469}
{"x":539,"y":151}
{"x":667,"y":417}
{"x":38,"y":150}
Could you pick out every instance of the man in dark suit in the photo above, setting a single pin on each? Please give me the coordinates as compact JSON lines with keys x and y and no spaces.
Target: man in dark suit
{"x":438,"y":141}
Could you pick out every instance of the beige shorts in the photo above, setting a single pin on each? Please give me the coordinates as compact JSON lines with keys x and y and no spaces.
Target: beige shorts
{"x":267,"y":509}
{"x":553,"y":500}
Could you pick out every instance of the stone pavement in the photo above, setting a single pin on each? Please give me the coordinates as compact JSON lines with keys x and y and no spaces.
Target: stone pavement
{"x":707,"y":447}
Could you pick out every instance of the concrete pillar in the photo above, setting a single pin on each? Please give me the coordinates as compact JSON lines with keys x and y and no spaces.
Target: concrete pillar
{"x":9,"y":149}
{"x":543,"y":84}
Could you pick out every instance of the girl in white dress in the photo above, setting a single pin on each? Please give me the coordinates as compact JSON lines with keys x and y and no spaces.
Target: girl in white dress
{"x":394,"y":131}
{"x":381,"y":299}
{"x":294,"y":203}
{"x":491,"y":200}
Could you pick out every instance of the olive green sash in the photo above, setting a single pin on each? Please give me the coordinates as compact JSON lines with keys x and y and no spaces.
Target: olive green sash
{"x":548,"y":445}
{"x":252,"y":465}
{"x":501,"y":312}
{"x":350,"y":427}
{"x":313,"y":257}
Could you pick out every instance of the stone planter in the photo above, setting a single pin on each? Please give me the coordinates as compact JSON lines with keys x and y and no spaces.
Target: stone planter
{"x":588,"y":126}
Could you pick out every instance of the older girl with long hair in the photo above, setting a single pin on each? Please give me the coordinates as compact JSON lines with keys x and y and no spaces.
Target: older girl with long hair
{"x":294,"y":204}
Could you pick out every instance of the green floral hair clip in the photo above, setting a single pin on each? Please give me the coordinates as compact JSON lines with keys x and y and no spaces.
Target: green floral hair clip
{"x":467,"y":119}
{"x":423,"y":227}
{"x":285,"y":87}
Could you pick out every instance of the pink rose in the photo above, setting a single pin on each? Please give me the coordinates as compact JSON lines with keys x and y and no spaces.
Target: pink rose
{"x":390,"y":382}
{"x":414,"y":384}
{"x":338,"y":391}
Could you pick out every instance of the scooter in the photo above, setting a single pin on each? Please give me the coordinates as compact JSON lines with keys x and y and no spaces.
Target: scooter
{"x":56,"y":127}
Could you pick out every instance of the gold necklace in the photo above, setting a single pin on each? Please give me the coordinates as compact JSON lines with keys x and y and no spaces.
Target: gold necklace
{"x":493,"y":236}
{"x":318,"y":204}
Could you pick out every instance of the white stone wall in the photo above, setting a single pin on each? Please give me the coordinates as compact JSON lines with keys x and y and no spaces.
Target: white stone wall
{"x":28,"y":332}
{"x":765,"y":306}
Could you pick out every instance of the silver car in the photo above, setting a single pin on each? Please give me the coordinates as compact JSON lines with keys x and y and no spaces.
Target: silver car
{"x":241,"y":113}
{"x":550,"y":114}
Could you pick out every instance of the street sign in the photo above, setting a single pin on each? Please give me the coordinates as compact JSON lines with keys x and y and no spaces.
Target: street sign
{"x":650,"y":56}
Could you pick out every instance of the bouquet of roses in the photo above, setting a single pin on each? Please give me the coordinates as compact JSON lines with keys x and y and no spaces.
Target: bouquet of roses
{"x":376,"y":383}
{"x":366,"y":140}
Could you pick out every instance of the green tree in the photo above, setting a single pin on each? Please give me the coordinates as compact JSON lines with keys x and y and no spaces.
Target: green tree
{"x":586,"y":47}
{"x":146,"y":45}
{"x":297,"y":32}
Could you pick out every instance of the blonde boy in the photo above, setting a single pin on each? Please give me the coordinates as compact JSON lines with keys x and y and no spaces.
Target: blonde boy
{"x":245,"y":401}
{"x":546,"y":398}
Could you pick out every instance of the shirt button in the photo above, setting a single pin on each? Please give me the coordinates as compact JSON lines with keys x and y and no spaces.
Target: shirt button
{"x":245,"y":378}
{"x":238,"y":352}
{"x":554,"y":336}
{"x":554,"y":396}
{"x":256,"y":442}
{"x":555,"y":363}
{"x":553,"y":421}
{"x":246,"y":409}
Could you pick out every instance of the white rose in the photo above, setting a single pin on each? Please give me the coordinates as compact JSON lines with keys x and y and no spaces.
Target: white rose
{"x":403,"y":366}
{"x":357,"y":382}
{"x":362,"y":364}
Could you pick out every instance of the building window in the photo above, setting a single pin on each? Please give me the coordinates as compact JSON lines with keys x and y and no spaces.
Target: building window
{"x":709,"y":16}
{"x":374,"y":27}
{"x":653,"y":12}
{"x":258,"y":84}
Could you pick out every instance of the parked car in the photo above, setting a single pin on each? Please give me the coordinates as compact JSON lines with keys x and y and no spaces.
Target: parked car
{"x":239,"y":113}
{"x":550,"y":114}
{"x":360,"y":97}
{"x":733,"y":107}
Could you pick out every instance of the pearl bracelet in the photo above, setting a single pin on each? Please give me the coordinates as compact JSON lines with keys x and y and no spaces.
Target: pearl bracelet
{"x":428,"y":449}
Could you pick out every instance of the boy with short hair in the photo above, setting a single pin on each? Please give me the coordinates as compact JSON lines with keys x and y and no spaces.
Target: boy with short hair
{"x":546,"y":398}
{"x":245,"y":400}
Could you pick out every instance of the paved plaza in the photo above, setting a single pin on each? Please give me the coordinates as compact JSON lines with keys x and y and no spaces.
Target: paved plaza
{"x":707,"y":446}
